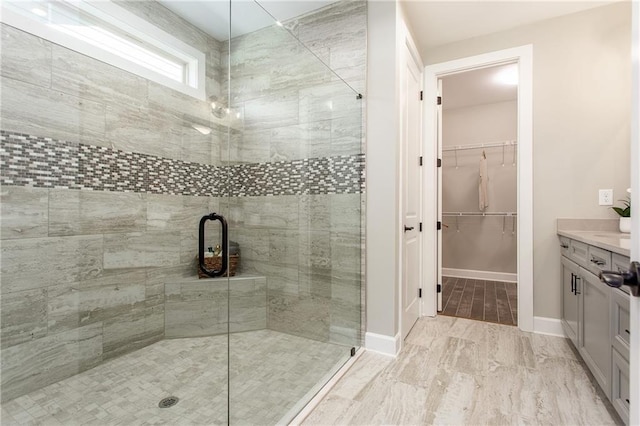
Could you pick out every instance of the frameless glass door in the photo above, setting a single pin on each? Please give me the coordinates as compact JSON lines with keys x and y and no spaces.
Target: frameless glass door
{"x":295,"y":197}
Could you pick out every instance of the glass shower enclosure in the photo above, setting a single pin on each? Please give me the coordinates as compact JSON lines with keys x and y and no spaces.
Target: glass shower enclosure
{"x":124,"y":124}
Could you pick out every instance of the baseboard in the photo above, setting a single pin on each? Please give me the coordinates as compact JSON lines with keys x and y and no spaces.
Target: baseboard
{"x":549,"y":326}
{"x":382,"y":344}
{"x":480,"y":275}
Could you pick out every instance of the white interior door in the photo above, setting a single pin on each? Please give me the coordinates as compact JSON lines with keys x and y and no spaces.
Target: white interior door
{"x":411,"y":190}
{"x":439,"y":103}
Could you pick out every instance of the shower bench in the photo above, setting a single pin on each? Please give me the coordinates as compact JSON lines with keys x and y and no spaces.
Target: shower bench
{"x":207,"y":307}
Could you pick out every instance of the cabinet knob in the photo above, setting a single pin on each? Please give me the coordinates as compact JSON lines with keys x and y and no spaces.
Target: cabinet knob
{"x":629,"y":278}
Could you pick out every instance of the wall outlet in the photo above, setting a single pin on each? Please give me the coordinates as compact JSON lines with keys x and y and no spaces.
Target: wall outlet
{"x":605,"y":197}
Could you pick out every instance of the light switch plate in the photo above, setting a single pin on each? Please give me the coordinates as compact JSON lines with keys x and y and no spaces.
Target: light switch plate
{"x":605,"y":197}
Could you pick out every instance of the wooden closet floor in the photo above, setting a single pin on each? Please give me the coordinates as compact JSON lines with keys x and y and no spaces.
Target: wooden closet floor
{"x":491,"y":301}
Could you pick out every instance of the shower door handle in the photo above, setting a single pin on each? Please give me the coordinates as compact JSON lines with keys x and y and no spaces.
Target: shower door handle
{"x":223,"y":254}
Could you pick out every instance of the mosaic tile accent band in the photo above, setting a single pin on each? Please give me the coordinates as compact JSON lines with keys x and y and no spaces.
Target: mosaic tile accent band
{"x":27,"y":160}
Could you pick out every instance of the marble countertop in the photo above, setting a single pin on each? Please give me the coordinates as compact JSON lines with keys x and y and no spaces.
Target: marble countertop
{"x":615,"y":242}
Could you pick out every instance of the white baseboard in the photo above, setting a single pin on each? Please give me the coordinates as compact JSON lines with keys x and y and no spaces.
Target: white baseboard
{"x":549,"y":326}
{"x":382,"y":344}
{"x":480,"y":275}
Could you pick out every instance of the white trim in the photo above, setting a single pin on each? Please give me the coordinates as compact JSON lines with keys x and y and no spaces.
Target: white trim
{"x":130,"y":24}
{"x":480,"y":275}
{"x":385,"y":345}
{"x":319,"y":396}
{"x":634,"y":313}
{"x":548,"y":326}
{"x":523,"y":55}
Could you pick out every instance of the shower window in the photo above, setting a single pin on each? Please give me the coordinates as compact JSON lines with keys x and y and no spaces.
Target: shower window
{"x":105,"y":31}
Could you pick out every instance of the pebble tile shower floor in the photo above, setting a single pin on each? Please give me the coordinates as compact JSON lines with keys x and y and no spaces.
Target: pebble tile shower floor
{"x":269,"y":372}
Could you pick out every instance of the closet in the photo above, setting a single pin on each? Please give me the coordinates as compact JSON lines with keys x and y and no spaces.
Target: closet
{"x":479,"y":194}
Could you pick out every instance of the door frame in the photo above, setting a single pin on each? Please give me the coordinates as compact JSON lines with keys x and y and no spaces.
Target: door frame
{"x":523,"y":55}
{"x":634,"y":347}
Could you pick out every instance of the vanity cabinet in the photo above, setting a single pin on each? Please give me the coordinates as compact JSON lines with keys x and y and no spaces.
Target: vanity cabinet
{"x":595,"y":317}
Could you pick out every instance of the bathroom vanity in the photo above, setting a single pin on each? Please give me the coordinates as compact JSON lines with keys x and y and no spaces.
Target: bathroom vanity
{"x":595,"y":317}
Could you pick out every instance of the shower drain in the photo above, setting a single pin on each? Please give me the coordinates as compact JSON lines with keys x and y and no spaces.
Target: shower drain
{"x":169,"y":401}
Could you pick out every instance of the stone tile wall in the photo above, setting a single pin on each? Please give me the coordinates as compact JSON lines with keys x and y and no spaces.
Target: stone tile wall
{"x":93,"y":221}
{"x":309,"y":245}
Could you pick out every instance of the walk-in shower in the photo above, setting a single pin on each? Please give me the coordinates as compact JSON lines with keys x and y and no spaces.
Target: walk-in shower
{"x":123,"y":124}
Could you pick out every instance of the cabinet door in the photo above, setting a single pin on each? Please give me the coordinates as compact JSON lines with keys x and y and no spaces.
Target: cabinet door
{"x":569,"y":300}
{"x":620,"y":386}
{"x":620,"y":321}
{"x":595,"y":344}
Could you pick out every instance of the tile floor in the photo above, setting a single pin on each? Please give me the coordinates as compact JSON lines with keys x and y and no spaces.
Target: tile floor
{"x":483,"y":300}
{"x":270,"y":372}
{"x":456,"y":371}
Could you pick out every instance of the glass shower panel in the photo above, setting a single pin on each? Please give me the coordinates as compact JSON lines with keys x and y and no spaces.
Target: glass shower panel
{"x":105,"y":175}
{"x":295,"y":197}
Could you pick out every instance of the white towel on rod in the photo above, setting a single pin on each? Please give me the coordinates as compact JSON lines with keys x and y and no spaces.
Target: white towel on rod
{"x":482,"y":183}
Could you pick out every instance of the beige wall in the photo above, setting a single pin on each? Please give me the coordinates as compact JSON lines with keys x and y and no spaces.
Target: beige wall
{"x":581,"y":110}
{"x":479,"y":243}
{"x":382,"y":222}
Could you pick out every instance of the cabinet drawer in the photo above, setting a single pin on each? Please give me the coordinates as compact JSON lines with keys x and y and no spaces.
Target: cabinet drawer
{"x":578,"y":252}
{"x":620,"y":324}
{"x":620,"y":385}
{"x":620,"y":263}
{"x":599,"y":260}
{"x":564,"y":246}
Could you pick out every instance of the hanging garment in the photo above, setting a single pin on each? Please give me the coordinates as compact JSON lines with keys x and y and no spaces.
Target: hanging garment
{"x":482,"y":183}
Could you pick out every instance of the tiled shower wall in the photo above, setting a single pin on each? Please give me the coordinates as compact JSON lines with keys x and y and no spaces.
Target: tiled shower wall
{"x":85,"y":256}
{"x":83,"y":261}
{"x":307,"y":243}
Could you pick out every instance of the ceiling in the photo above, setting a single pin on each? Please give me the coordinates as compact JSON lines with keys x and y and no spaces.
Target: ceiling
{"x":478,"y":87}
{"x":212,"y":16}
{"x":435,"y":23}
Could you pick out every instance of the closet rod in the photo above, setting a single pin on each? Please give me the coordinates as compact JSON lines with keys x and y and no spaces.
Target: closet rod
{"x":451,"y":214}
{"x":479,"y":146}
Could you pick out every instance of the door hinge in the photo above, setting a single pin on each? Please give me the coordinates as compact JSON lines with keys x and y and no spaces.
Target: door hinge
{"x":438,"y":225}
{"x":353,"y":351}
{"x":439,"y":288}
{"x":439,"y":162}
{"x":439,"y":100}
{"x":421,"y":160}
{"x":420,"y":227}
{"x":419,"y":292}
{"x":421,"y":94}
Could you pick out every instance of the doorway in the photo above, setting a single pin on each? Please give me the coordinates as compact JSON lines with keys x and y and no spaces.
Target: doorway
{"x":519,"y":223}
{"x":478,"y":138}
